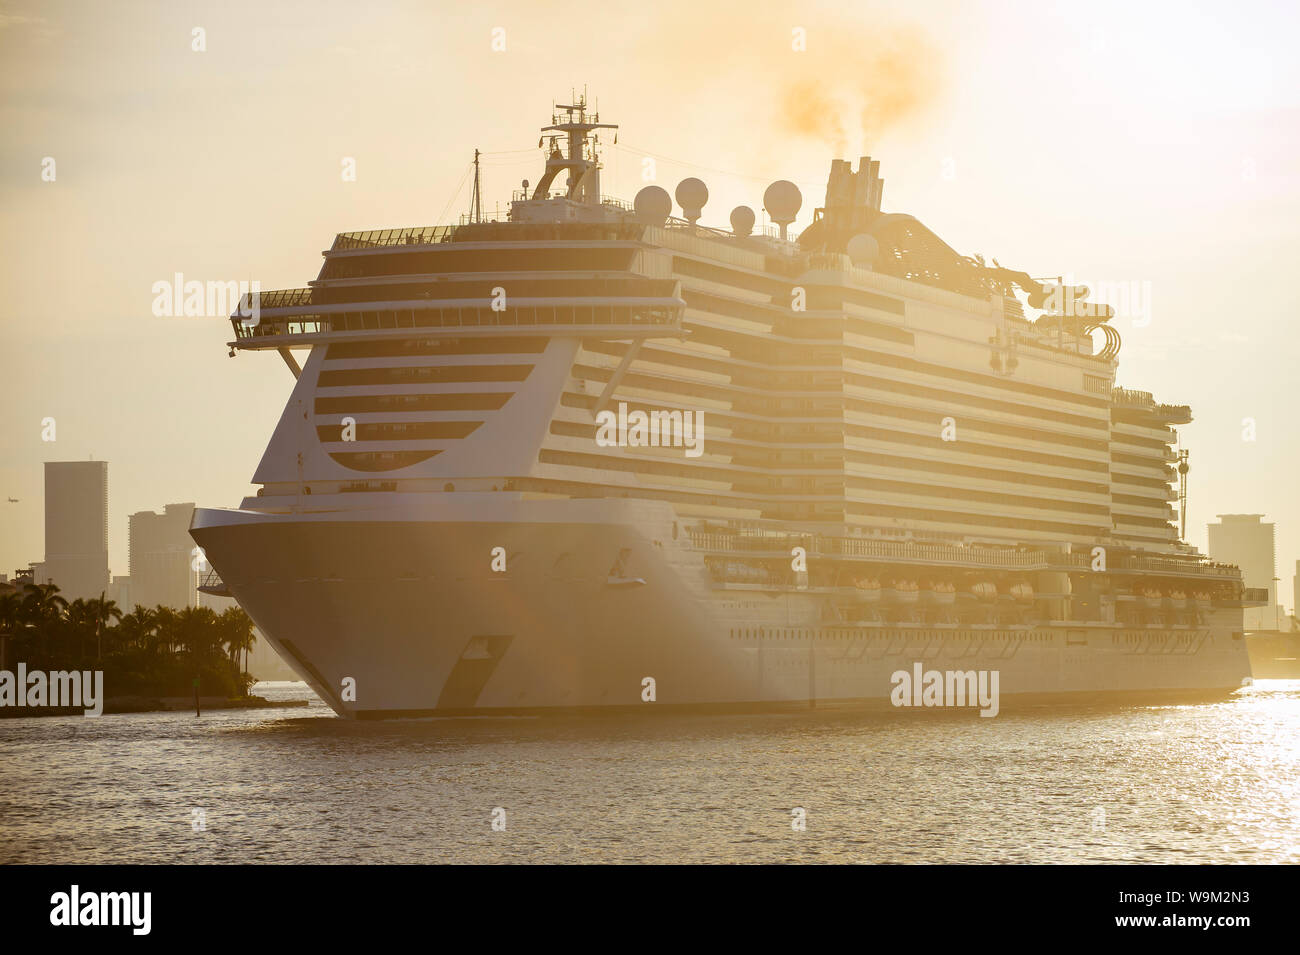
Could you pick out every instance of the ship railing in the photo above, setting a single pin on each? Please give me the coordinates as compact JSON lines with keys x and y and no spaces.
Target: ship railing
{"x":277,"y":298}
{"x":824,"y":546}
{"x":211,"y":583}
{"x":458,"y":317}
{"x":1129,"y":398}
{"x":492,"y":229}
{"x":818,"y":545}
{"x":1145,"y":401}
{"x":381,"y":238}
{"x":1207,"y":568}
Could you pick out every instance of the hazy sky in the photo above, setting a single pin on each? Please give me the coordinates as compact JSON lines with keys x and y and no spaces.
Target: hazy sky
{"x":1113,"y":141}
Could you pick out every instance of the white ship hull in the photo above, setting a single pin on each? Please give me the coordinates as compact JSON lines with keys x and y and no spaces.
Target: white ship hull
{"x":403,"y":605}
{"x":647,"y":419}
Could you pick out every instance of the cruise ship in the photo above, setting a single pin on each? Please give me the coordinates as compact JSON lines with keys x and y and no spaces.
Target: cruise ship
{"x":594,"y":455}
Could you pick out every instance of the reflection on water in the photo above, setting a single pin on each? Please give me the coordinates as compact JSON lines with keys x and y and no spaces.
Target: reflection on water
{"x":1204,"y":783}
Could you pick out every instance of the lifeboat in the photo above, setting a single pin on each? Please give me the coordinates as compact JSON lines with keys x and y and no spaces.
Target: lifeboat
{"x":1022,"y":593}
{"x":868,"y":589}
{"x":1152,"y":598}
{"x":985,"y":591}
{"x":906,"y":592}
{"x":940,"y":593}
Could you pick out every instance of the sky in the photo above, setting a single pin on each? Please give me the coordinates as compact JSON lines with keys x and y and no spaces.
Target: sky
{"x":1122,"y":145}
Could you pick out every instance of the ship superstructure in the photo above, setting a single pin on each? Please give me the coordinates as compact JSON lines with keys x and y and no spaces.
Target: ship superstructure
{"x":532,"y":463}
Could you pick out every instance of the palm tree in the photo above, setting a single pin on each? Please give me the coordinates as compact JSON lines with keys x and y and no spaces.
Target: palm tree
{"x":237,"y":633}
{"x":101,"y":612}
{"x":166,"y":635}
{"x":136,"y":629}
{"x":11,"y":605}
{"x":79,"y":623}
{"x":196,"y":631}
{"x":42,"y":604}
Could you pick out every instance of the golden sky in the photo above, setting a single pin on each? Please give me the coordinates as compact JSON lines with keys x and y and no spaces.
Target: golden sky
{"x":1111,"y":141}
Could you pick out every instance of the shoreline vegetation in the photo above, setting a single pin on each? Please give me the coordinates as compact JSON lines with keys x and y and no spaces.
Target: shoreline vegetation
{"x":153,"y":659}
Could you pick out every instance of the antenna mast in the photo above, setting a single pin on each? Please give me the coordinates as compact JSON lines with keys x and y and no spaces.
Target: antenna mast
{"x":1183,"y":468}
{"x":476,"y":203}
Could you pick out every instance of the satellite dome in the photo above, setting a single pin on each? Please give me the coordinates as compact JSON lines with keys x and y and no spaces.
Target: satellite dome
{"x":652,"y":205}
{"x":782,"y":200}
{"x":863,"y":250}
{"x":742,"y":220}
{"x":692,"y":194}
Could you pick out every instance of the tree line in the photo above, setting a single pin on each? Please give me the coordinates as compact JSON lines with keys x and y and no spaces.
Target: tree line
{"x":154,"y":651}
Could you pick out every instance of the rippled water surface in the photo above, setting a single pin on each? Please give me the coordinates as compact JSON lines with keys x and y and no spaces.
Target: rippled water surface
{"x":1203,"y":783}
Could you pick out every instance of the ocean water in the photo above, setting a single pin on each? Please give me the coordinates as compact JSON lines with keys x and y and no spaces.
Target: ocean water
{"x":1208,"y":783}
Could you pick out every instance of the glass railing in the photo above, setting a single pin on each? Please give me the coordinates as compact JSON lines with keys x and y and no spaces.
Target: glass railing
{"x":561,"y":315}
{"x":211,"y":582}
{"x":280,"y":298}
{"x":488,"y":230}
{"x":382,"y":238}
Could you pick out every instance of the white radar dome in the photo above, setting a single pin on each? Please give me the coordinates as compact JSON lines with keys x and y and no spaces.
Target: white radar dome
{"x":692,"y":194}
{"x":742,"y":220}
{"x":652,"y":205}
{"x":782,"y":200}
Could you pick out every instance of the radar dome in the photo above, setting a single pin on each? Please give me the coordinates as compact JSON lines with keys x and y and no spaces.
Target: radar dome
{"x":692,"y":194}
{"x":863,"y":250}
{"x":652,"y":205}
{"x":782,"y":200}
{"x":742,"y":220}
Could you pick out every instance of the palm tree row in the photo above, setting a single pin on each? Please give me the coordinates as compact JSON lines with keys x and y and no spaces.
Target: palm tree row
{"x":150,"y":651}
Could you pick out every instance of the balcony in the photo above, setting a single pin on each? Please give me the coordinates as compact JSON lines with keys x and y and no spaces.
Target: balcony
{"x":211,"y":583}
{"x":613,"y":318}
{"x":1130,"y":400}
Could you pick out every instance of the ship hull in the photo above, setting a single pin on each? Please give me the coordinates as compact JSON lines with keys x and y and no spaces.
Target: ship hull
{"x":408,"y":611}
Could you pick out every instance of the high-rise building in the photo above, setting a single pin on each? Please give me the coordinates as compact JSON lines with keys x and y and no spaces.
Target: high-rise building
{"x":120,"y":593}
{"x":76,"y":527}
{"x":159,"y":548}
{"x":1245,"y":540}
{"x":1295,"y":591}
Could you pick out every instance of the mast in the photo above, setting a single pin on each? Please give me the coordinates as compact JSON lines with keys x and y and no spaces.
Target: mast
{"x":1183,"y":468}
{"x":476,"y":201}
{"x":582,"y":162}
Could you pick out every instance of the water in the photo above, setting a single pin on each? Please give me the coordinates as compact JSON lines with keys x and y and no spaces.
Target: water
{"x":1208,"y":783}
